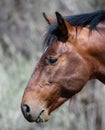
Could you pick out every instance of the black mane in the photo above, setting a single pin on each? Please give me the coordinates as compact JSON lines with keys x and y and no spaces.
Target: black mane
{"x":91,"y":19}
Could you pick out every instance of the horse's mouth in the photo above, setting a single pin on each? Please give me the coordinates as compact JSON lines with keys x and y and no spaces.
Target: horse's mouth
{"x":41,"y":118}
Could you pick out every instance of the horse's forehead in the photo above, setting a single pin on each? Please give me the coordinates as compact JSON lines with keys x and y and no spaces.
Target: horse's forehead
{"x":52,"y":49}
{"x":58,"y":48}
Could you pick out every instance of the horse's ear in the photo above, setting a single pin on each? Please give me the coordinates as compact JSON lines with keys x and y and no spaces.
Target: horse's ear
{"x":62,"y":26}
{"x":48,"y":19}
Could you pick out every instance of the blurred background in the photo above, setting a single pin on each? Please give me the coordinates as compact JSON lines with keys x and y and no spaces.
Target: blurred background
{"x":22,"y":27}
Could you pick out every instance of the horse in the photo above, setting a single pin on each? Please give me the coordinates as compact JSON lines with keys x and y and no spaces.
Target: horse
{"x":74,"y":53}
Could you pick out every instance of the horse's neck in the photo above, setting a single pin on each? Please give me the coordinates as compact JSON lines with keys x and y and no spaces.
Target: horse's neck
{"x":97,"y":51}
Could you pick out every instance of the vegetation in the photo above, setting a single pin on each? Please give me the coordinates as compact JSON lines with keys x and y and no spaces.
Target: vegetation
{"x":21,"y":25}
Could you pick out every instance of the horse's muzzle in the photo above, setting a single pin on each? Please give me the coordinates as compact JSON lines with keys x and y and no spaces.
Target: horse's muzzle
{"x":31,"y":116}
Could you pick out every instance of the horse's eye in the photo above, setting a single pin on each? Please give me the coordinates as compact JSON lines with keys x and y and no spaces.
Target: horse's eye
{"x":52,"y":60}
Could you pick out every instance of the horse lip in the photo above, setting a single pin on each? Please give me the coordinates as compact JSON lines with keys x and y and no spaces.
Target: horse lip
{"x":40,"y":119}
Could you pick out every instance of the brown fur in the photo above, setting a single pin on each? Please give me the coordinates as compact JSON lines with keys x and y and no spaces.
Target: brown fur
{"x":79,"y":59}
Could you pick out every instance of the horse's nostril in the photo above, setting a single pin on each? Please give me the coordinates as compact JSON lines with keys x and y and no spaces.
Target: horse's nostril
{"x":26,"y":109}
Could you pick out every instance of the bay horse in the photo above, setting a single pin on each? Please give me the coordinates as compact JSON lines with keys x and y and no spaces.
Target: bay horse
{"x":74,"y":53}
